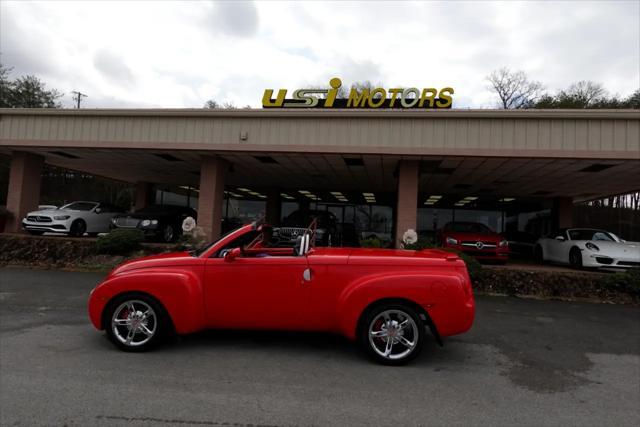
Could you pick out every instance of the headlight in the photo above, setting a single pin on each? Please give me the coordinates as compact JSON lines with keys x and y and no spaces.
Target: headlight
{"x":591,"y":246}
{"x":113,"y":221}
{"x":145,"y":223}
{"x":504,"y":243}
{"x":451,"y":241}
{"x":61,"y":217}
{"x":154,"y":221}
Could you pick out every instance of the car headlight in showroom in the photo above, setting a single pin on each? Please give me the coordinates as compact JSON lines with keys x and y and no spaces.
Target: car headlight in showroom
{"x":145,"y":223}
{"x":593,"y":247}
{"x":61,"y":217}
{"x":504,"y":243}
{"x":451,"y":241}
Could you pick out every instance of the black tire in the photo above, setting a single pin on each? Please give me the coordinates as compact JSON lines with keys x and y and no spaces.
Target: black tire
{"x":168,"y":234}
{"x":400,"y":353}
{"x":160,"y":323}
{"x":78,"y":228}
{"x":35,"y":232}
{"x":538,"y":256}
{"x":575,"y":257}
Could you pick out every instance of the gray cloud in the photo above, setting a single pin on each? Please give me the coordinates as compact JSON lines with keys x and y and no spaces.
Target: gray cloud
{"x":112,"y":67}
{"x":234,"y":18}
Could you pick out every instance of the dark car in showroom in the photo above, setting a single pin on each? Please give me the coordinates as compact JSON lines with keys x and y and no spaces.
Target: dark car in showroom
{"x":160,"y":222}
{"x":327,"y":231}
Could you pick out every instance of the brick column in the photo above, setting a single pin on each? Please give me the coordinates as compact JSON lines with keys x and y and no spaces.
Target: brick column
{"x":562,"y":212}
{"x":211,"y":196}
{"x":274,"y":207}
{"x":144,"y":197}
{"x":23,"y":194}
{"x":407,"y":211}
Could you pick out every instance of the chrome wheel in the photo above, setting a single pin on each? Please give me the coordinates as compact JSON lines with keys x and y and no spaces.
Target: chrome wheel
{"x":134,"y":323}
{"x":167,"y":234}
{"x":393,"y":334}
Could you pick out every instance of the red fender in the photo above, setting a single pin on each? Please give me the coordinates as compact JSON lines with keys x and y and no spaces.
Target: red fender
{"x":428,"y":291}
{"x":179,"y":291}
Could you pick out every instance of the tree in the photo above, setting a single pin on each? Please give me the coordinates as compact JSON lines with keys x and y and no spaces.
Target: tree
{"x":26,"y":92}
{"x":211,"y":104}
{"x":584,"y":93}
{"x":514,"y":89}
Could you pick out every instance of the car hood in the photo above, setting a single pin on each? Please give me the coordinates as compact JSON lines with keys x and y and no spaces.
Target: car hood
{"x":51,"y":212}
{"x":170,"y":259}
{"x":486,"y":237}
{"x":615,"y":248}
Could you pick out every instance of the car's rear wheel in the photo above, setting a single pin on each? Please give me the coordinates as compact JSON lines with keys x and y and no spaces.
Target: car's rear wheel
{"x":392,"y":334}
{"x":575,"y":257}
{"x":78,"y":228}
{"x":538,"y":256}
{"x":136,"y":322}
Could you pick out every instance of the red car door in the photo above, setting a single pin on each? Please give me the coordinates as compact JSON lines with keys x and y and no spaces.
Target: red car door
{"x":256,"y":292}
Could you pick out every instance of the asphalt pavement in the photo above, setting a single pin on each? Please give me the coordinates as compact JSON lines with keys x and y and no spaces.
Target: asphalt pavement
{"x":525,"y":362}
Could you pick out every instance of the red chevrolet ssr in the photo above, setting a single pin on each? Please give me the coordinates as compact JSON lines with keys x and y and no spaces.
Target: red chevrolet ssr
{"x":383,"y":299}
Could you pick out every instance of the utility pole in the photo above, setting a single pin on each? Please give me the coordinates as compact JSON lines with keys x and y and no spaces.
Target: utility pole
{"x":77,"y":96}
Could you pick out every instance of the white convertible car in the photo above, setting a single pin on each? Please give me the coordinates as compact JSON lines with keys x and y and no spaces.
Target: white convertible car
{"x":73,"y":219}
{"x":586,"y":247}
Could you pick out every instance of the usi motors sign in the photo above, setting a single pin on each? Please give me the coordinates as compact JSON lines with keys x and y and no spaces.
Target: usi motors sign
{"x":360,"y":98}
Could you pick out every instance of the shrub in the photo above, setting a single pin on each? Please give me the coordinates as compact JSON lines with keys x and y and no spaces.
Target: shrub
{"x":627,"y":282}
{"x":372,"y":242}
{"x":120,"y":242}
{"x":473,"y":265}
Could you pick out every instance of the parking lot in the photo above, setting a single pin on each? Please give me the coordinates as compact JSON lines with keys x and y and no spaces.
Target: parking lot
{"x":526,"y":362}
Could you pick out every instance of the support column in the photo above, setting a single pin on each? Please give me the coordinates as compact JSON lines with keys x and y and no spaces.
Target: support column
{"x":562,"y":213}
{"x":144,"y":196}
{"x":211,"y":196}
{"x":407,"y":209}
{"x":273,"y":209}
{"x":23,"y":194}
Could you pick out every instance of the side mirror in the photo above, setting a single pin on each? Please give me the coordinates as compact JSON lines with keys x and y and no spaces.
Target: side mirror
{"x":98,"y":210}
{"x":560,"y":238}
{"x":232,"y":254}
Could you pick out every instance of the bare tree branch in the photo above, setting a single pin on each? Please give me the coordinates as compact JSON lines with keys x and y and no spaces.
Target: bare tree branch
{"x":514,"y":89}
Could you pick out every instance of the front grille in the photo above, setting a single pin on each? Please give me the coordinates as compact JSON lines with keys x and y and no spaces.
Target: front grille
{"x":479,"y":245}
{"x":629,"y":263}
{"x":291,"y":232}
{"x":127,"y":222}
{"x":603,"y":260}
{"x":38,"y":218}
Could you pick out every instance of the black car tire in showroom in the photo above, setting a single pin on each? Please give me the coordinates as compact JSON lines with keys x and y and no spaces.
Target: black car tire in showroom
{"x":538,"y":256}
{"x":391,"y":334}
{"x":78,"y":228}
{"x":168,"y":234}
{"x":136,"y":322}
{"x":575,"y":257}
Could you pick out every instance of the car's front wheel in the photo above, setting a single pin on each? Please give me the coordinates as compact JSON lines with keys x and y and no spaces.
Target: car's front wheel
{"x":168,"y":234}
{"x":575,"y":257}
{"x":136,"y":322}
{"x":392,"y":334}
{"x":78,"y":228}
{"x":538,"y":255}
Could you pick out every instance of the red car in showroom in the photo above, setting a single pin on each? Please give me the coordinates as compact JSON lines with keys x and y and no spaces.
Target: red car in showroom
{"x":384,"y":299}
{"x":475,"y":239}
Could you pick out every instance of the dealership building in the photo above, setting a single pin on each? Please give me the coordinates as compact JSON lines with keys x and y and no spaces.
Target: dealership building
{"x":379,"y":171}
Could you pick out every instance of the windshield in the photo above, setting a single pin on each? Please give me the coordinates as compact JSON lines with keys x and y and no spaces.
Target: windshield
{"x":468,"y":227}
{"x":198,"y":252}
{"x":591,"y":235}
{"x":79,"y":206}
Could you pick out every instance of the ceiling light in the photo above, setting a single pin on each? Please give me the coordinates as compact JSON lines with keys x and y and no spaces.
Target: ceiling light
{"x":246,"y":190}
{"x":368,"y":194}
{"x":470,"y":198}
{"x":508,"y":199}
{"x":459,"y":204}
{"x":435,"y":197}
{"x":336,"y":193}
{"x":304,"y":192}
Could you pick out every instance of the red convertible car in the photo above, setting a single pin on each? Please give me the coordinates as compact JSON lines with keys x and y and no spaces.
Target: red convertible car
{"x":383,"y":299}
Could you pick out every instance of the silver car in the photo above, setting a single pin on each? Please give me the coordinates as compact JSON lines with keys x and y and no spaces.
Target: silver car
{"x":74,"y":219}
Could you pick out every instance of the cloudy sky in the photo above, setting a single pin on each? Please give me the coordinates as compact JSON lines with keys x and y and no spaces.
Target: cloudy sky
{"x":179,"y":54}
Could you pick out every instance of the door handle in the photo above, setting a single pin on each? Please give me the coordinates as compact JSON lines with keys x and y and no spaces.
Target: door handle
{"x":306,"y":276}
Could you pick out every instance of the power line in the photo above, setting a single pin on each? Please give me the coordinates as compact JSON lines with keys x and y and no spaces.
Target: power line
{"x":78,"y":96}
